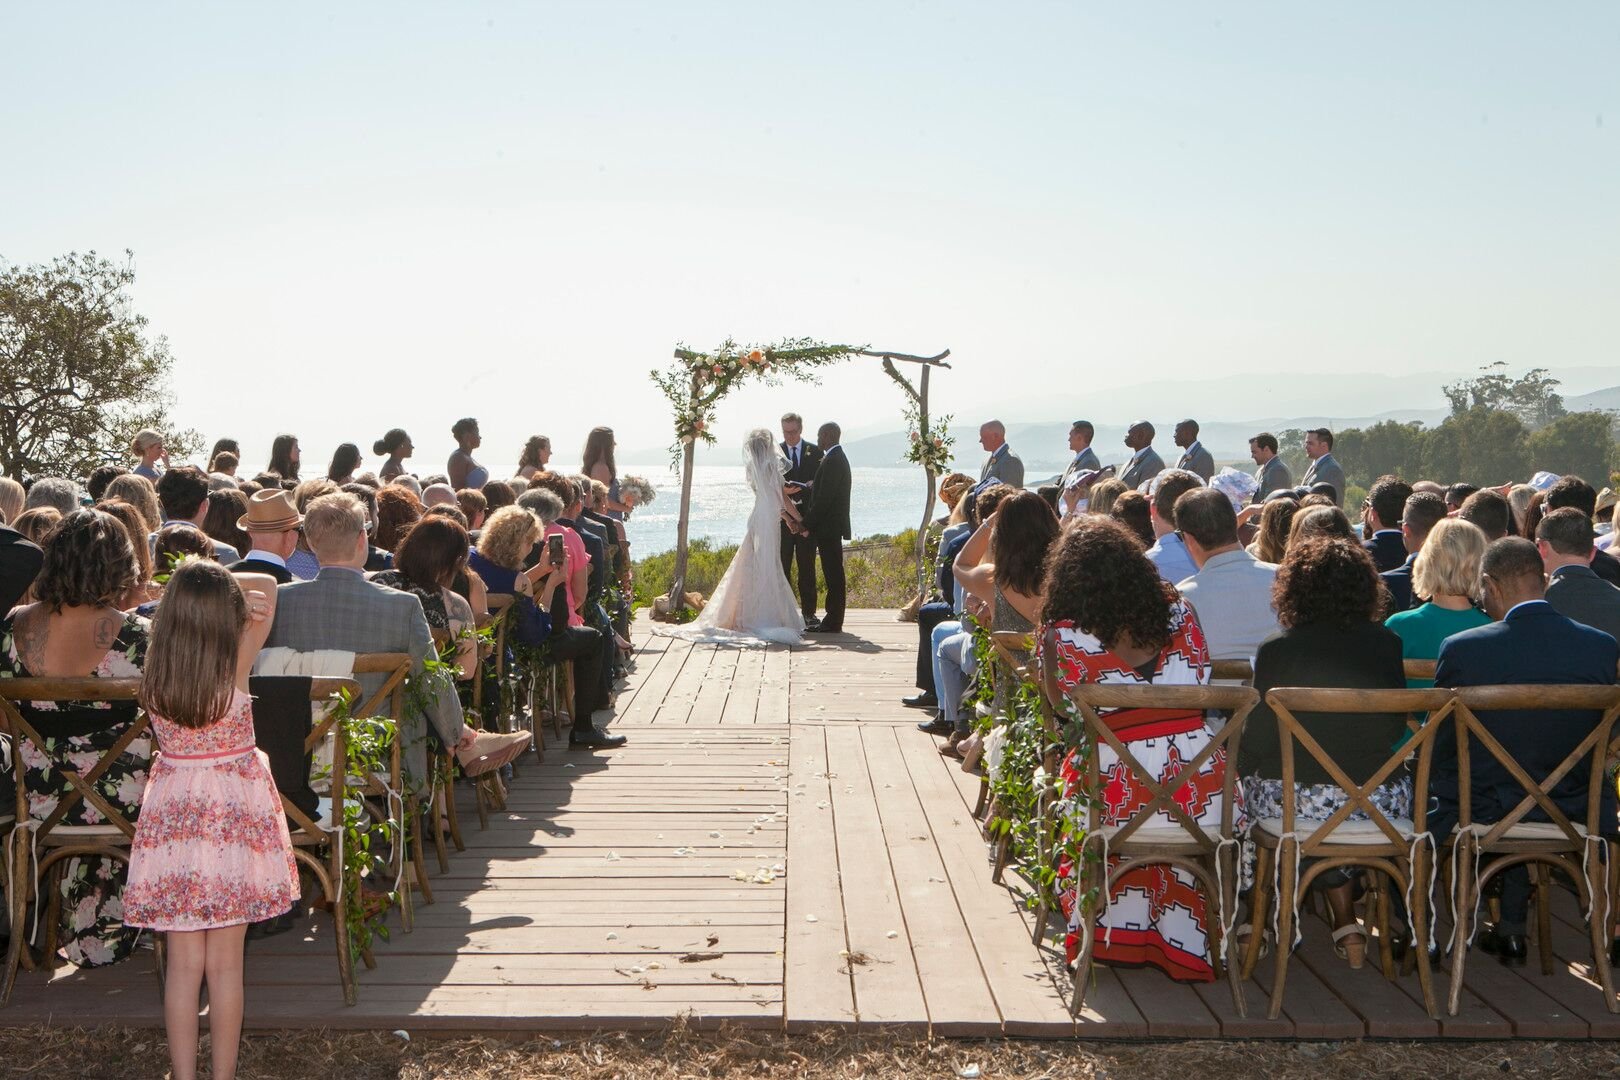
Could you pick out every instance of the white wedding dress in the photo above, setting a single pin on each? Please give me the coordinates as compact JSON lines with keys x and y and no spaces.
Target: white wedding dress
{"x":753,"y":603}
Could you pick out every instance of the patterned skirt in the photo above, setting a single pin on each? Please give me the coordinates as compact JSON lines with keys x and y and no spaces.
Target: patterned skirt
{"x":211,"y":848}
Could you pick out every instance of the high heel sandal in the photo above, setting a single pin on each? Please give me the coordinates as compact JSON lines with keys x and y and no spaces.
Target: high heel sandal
{"x":1355,"y":951}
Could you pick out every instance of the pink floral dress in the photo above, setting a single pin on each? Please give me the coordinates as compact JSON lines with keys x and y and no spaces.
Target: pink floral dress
{"x":211,"y":847}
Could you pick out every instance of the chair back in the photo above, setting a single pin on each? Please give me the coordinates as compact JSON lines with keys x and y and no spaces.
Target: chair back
{"x":1419,"y":669}
{"x":1288,"y":702}
{"x":324,"y":691}
{"x":389,"y":701}
{"x":80,"y":781}
{"x":1231,"y":671}
{"x":1593,"y":749}
{"x":1090,"y":700}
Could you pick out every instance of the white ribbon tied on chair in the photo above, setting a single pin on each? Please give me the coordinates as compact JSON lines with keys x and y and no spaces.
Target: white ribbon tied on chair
{"x":1418,"y":840}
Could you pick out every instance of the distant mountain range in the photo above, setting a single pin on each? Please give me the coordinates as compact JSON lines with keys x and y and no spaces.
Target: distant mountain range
{"x":1359,"y":400}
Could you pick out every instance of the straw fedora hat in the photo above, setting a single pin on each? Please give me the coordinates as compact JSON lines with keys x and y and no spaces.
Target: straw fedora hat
{"x":270,"y":511}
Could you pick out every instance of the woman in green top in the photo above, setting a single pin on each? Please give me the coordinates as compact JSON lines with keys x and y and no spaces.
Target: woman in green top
{"x":1447,"y":572}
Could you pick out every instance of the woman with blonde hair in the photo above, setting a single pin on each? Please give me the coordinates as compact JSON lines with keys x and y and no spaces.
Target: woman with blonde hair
{"x":1447,"y":572}
{"x":148,"y":446}
{"x":1271,"y":536}
{"x":12,"y":500}
{"x":1103,"y":494}
{"x":139,"y":493}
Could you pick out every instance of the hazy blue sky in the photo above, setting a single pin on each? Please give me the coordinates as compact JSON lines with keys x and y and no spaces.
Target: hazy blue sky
{"x":513,"y":211}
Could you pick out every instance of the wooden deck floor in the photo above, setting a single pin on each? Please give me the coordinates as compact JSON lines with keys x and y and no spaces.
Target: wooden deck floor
{"x":777,"y":808}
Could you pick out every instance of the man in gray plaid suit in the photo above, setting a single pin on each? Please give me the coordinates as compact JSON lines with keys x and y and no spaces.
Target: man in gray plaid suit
{"x":340,"y":609}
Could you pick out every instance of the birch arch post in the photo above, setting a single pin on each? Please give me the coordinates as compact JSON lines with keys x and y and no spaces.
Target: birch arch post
{"x":698,"y":381}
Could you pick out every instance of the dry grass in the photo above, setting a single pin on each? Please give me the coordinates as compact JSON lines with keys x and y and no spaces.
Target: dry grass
{"x":829,"y":1055}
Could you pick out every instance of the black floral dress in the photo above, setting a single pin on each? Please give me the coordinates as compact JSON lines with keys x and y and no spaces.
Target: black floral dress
{"x":92,"y":931}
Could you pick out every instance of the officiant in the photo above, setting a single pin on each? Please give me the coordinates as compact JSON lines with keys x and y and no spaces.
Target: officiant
{"x":803,"y":459}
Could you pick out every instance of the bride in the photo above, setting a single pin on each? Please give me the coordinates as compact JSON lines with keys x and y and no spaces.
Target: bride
{"x":753,"y":602}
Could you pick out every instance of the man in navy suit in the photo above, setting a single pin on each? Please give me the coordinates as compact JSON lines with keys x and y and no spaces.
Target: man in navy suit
{"x":1381,"y":522}
{"x":1564,"y":539}
{"x":1529,"y":643}
{"x":1418,"y":516}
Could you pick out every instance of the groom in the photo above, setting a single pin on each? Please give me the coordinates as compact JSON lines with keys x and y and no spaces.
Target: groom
{"x":826,"y":521}
{"x":799,"y":551}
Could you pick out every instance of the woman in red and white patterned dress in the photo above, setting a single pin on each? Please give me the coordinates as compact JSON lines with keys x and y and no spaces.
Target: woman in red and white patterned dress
{"x":1117,"y":621}
{"x":211,"y":852}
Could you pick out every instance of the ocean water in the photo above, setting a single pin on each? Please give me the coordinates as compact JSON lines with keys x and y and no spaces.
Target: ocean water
{"x":881,"y":500}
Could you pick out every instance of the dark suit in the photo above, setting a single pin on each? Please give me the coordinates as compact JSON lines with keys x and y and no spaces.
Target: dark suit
{"x":19,"y":566}
{"x":1399,"y":583}
{"x":1534,"y":644}
{"x":800,"y":551}
{"x":827,"y":521}
{"x":261,"y":566}
{"x":596,"y":547}
{"x":1387,"y":548}
{"x":1575,"y":592}
{"x":1607,"y":567}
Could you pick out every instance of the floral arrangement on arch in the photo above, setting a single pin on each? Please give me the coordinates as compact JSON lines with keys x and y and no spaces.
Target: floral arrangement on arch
{"x":698,"y":381}
{"x":932,"y":452}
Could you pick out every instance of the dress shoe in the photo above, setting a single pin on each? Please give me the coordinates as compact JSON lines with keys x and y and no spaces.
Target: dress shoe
{"x":593,"y":739}
{"x":937,"y":726}
{"x":823,"y":628}
{"x":811,"y":622}
{"x":924,"y":700}
{"x":1508,"y":948}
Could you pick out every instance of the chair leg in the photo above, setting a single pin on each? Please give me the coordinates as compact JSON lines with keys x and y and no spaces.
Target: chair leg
{"x":1600,"y":932}
{"x":17,"y":902}
{"x":1544,"y":917}
{"x":419,"y":864}
{"x":1229,"y":862}
{"x":1386,"y":950}
{"x":1259,"y":908}
{"x":450,"y":812}
{"x":1287,"y":860}
{"x":53,"y":914}
{"x":437,"y":798}
{"x":1462,"y":907}
{"x":1085,"y":875}
{"x":1419,"y":916}
{"x":160,"y":959}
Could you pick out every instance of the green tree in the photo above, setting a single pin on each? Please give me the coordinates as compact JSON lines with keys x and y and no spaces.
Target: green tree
{"x":1388,"y":448}
{"x":1481,"y":446}
{"x":78,"y":373}
{"x":1533,"y":397}
{"x":1291,"y":448}
{"x":1579,"y":443}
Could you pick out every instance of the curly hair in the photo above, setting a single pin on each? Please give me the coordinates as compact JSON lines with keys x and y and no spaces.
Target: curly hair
{"x":1099,"y":578}
{"x":989,"y":500}
{"x":397,"y":510}
{"x":89,"y":562}
{"x":1025,"y":528}
{"x":1326,"y":579}
{"x":508,"y":536}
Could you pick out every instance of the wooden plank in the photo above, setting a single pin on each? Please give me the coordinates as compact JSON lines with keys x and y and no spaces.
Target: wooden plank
{"x":709,"y":704}
{"x":1014,"y":968}
{"x":1387,"y":1012}
{"x":1172,"y":1010}
{"x":887,"y":992}
{"x":1315,"y":1011}
{"x":941,"y":940}
{"x":816,"y":992}
{"x":675,"y":705}
{"x":654,"y":687}
{"x":774,"y":680}
{"x":743,"y":700}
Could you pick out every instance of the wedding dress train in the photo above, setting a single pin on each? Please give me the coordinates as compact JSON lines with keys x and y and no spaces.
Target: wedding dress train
{"x":753,"y":604}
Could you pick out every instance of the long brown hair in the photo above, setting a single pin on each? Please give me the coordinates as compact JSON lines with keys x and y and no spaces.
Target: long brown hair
{"x":1024,"y":530}
{"x":190,"y":673}
{"x":599,"y":447}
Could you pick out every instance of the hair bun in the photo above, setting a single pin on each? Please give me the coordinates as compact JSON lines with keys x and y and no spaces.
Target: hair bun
{"x":379,"y":447}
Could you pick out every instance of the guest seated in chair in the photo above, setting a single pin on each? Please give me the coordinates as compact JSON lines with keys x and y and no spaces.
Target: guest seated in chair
{"x":1116,"y":621}
{"x":1528,"y":643}
{"x":75,"y":630}
{"x":1328,"y":603}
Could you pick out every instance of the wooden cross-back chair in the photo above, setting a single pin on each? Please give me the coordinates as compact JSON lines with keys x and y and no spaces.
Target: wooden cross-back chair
{"x":443,"y":800}
{"x":522,"y":681}
{"x":38,"y":848}
{"x":318,"y":841}
{"x":389,"y":700}
{"x":1399,"y":848}
{"x":1231,"y":671}
{"x":488,"y":790}
{"x":1541,"y":846}
{"x":1211,"y":858}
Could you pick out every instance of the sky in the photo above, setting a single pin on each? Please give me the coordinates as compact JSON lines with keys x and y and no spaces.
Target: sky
{"x":347,"y":218}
